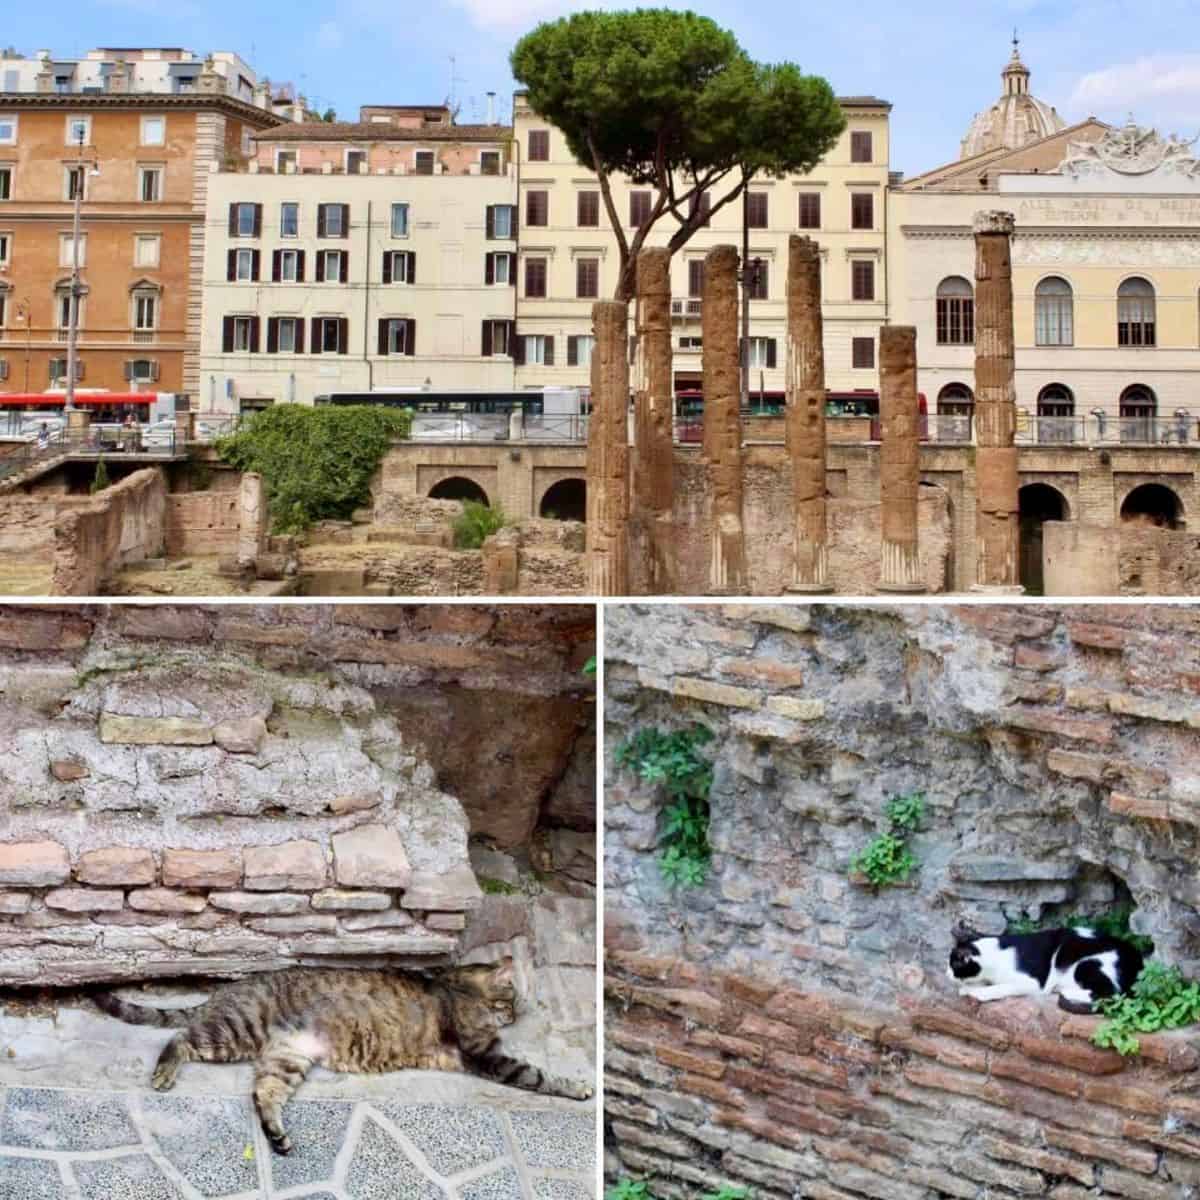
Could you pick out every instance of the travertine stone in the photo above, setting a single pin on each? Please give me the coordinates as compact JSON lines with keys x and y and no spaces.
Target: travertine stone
{"x":309,"y":924}
{"x":722,"y":422}
{"x":337,"y":900}
{"x":163,"y":900}
{"x":154,"y":731}
{"x":382,"y":943}
{"x":654,"y":405}
{"x":116,"y":865}
{"x":243,"y":736}
{"x":84,"y":900}
{"x":35,"y":864}
{"x":356,"y":802}
{"x":370,"y":856}
{"x":805,"y":415}
{"x":276,"y":904}
{"x":298,"y":865}
{"x":899,"y":460}
{"x":202,"y":868}
{"x":391,"y":919}
{"x":454,"y":891}
{"x":607,"y":528}
{"x":68,"y":770}
{"x":12,"y":904}
{"x":252,"y":519}
{"x":997,"y":518}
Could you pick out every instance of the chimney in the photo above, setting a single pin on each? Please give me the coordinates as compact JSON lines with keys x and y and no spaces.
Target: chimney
{"x":491,"y":108}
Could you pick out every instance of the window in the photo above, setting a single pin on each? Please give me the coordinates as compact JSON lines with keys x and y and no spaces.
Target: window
{"x":142,"y":370}
{"x":695,"y":277}
{"x":399,"y":220}
{"x":539,"y":350}
{"x":8,"y":130}
{"x":1055,"y":400}
{"x":62,"y":84}
{"x":587,"y":209}
{"x":1135,"y":313}
{"x":762,"y":353}
{"x":331,"y":266}
{"x":862,"y":353}
{"x":243,"y":330}
{"x":330,"y":335}
{"x":285,"y":162}
{"x":74,"y":183}
{"x":862,"y":279}
{"x":810,"y":210}
{"x":79,"y":131}
{"x":499,"y":268}
{"x":957,"y":400}
{"x":501,"y":221}
{"x":539,"y":145}
{"x":150,"y":184}
{"x":145,"y":312}
{"x":146,"y":249}
{"x":862,"y":210}
{"x":66,"y":247}
{"x":356,"y":162}
{"x":6,"y":178}
{"x":537,"y":208}
{"x":489,"y":162}
{"x":289,"y":219}
{"x":397,"y":335}
{"x":579,"y":350}
{"x":64,"y":312}
{"x":955,"y":310}
{"x":5,"y":248}
{"x":289,"y":266}
{"x":1053,"y":308}
{"x":535,"y":278}
{"x":399,"y":266}
{"x":288,"y":336}
{"x":1138,"y":402}
{"x":154,"y":131}
{"x":245,"y":220}
{"x":860,"y":146}
{"x":700,"y":203}
{"x":245,"y":266}
{"x":333,"y":220}
{"x":691,"y":343}
{"x":756,"y":210}
{"x":423,"y":162}
{"x":497,"y":339}
{"x":587,"y":278}
{"x":639,"y":209}
{"x":3,"y":306}
{"x":58,"y":370}
{"x":759,"y":280}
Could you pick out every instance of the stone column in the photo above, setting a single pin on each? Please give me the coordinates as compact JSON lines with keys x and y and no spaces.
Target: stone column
{"x":654,"y":467}
{"x":805,"y":416}
{"x":899,"y":460}
{"x":722,"y":423}
{"x":252,"y":520}
{"x":608,"y":453}
{"x":997,"y":520}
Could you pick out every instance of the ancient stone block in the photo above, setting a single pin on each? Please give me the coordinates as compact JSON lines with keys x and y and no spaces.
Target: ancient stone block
{"x":715,"y":693}
{"x":163,"y":900}
{"x":151,"y":731}
{"x":116,"y":865}
{"x":30,"y":629}
{"x":447,"y":921}
{"x":337,"y":900}
{"x":298,"y":865}
{"x":309,"y":924}
{"x":202,"y":868}
{"x":391,"y":919}
{"x":275,"y":904}
{"x":899,"y":460}
{"x":355,"y":802}
{"x":383,"y":943}
{"x":455,"y":890}
{"x":796,"y":709}
{"x":34,"y":864}
{"x":14,"y":903}
{"x":370,"y":856}
{"x":175,"y":623}
{"x":242,"y":736}
{"x":83,"y":900}
{"x":68,"y":770}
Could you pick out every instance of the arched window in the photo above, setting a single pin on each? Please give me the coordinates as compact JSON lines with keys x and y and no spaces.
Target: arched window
{"x":1054,"y":318}
{"x":955,"y":312}
{"x":1056,"y":414}
{"x":956,"y":400}
{"x":1139,"y":407}
{"x":1135,"y":313}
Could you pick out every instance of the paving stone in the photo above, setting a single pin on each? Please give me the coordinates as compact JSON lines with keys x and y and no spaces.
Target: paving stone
{"x":317,"y":1131}
{"x":133,"y":1178}
{"x":453,"y":1139}
{"x":561,"y":1189}
{"x":214,"y":1165}
{"x":44,"y":1119}
{"x":380,"y":1170}
{"x":556,"y":1140}
{"x":504,"y":1184}
{"x":30,"y":1179}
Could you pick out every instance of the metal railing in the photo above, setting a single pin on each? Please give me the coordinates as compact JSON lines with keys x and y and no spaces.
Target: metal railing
{"x":1100,"y":429}
{"x":554,"y":428}
{"x":116,"y":442}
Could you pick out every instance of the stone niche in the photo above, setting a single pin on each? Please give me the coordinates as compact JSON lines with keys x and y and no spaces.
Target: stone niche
{"x":225,"y":790}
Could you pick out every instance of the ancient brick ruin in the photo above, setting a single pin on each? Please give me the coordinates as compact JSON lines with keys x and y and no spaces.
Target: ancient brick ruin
{"x":789,"y":1028}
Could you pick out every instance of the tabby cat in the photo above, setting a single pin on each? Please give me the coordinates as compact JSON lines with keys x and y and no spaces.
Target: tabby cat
{"x":346,"y":1020}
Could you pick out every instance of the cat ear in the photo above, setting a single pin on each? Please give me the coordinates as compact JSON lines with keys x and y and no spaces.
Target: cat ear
{"x":962,"y":932}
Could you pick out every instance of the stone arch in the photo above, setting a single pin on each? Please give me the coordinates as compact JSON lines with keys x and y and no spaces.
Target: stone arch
{"x":1153,"y":504}
{"x":1038,"y":503}
{"x":458,"y":487}
{"x":565,"y":500}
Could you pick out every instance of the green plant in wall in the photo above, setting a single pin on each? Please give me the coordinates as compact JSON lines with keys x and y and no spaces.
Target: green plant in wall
{"x":100,"y":479}
{"x":673,"y":762}
{"x":477,"y":523}
{"x":1161,"y":998}
{"x":887,"y":860}
{"x":1114,"y":923}
{"x":589,"y":667}
{"x":630,"y":1189}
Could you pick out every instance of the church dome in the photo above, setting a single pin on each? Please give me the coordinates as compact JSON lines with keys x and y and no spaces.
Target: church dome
{"x":1016,"y":119}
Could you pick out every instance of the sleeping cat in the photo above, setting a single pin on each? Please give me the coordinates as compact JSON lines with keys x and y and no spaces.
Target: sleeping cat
{"x":346,"y":1020}
{"x":1079,"y":964}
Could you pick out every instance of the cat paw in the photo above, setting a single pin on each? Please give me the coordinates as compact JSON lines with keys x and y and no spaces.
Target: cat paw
{"x":281,"y":1144}
{"x":164,"y":1079}
{"x":573,"y":1091}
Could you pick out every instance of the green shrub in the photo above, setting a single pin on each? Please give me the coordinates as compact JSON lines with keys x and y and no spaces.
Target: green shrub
{"x":477,"y":523}
{"x":316,"y":463}
{"x":1161,"y":998}
{"x":100,"y":479}
{"x":887,"y":860}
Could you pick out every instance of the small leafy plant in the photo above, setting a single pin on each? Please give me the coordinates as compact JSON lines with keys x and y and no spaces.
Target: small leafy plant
{"x":1161,"y":998}
{"x":630,"y":1189}
{"x":477,"y":523}
{"x":672,"y":761}
{"x":589,"y":667}
{"x":887,"y":860}
{"x":100,"y":479}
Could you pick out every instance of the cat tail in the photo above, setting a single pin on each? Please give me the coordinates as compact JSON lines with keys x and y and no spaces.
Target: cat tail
{"x":138,"y":1014}
{"x":1076,"y":1006}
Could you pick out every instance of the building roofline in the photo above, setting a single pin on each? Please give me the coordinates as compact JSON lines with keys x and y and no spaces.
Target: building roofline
{"x":368,"y":131}
{"x":191,"y":100}
{"x":844,"y":101}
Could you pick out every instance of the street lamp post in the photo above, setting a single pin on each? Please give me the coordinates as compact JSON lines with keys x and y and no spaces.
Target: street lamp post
{"x":73,"y":308}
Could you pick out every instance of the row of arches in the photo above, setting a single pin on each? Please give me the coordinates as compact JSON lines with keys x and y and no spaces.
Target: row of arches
{"x":565,"y":500}
{"x":1054,"y":400}
{"x":1053,"y":312}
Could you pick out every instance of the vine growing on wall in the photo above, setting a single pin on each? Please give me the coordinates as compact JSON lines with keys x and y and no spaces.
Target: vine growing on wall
{"x":672,"y":761}
{"x":316,"y":463}
{"x":887,"y":860}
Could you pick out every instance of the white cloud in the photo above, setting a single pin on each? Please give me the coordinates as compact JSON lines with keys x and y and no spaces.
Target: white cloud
{"x":330,"y":36}
{"x":1161,"y":88}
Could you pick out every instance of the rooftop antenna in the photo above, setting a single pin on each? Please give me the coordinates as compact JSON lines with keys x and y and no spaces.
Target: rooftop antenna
{"x":455,"y":79}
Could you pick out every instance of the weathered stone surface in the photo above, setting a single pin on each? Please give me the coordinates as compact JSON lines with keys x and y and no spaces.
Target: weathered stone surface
{"x":446,"y":921}
{"x":382,"y":943}
{"x":202,"y":868}
{"x":35,"y":864}
{"x":356,"y":802}
{"x":82,"y":900}
{"x":393,"y":918}
{"x":899,"y":460}
{"x":455,"y":890}
{"x":298,"y":865}
{"x":116,"y":864}
{"x":152,"y":731}
{"x":243,"y":736}
{"x":275,"y":904}
{"x":14,"y":903}
{"x":309,"y":924}
{"x":370,"y":856}
{"x":163,"y":900}
{"x":68,"y":770}
{"x":339,"y":900}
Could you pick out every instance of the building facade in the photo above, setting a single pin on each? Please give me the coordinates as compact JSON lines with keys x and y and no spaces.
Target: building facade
{"x":142,"y":161}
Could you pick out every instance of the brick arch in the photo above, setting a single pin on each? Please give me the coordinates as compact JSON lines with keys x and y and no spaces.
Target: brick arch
{"x":561,"y":487}
{"x":1153,"y":497}
{"x":458,"y":485}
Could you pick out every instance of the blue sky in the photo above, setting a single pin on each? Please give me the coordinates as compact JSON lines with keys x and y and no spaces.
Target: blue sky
{"x":938,"y":63}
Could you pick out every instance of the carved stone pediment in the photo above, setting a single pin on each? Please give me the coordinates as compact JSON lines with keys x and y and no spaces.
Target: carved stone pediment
{"x":1132,"y":149}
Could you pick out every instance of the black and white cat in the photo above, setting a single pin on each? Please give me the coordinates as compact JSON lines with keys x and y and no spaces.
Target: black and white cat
{"x":1079,"y":964}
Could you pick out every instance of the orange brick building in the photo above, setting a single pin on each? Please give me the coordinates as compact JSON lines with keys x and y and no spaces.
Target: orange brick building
{"x":147,"y":159}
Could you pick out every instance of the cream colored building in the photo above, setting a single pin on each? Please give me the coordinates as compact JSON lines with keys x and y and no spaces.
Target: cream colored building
{"x":569,"y":258}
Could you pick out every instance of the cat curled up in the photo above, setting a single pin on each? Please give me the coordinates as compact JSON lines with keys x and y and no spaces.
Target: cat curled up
{"x":1079,"y":964}
{"x":286,"y":1022}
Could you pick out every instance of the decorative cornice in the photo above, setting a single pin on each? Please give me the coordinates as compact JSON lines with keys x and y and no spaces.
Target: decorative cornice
{"x":75,"y":101}
{"x":1072,"y":232}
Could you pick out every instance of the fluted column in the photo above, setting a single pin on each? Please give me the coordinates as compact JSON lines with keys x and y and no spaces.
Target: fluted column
{"x":723,"y":423}
{"x":899,"y":460}
{"x":805,"y":416}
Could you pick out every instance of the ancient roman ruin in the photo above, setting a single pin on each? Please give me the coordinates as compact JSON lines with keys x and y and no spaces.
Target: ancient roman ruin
{"x":899,"y":466}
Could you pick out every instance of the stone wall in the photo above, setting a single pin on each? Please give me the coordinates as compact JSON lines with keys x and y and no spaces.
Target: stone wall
{"x":203,"y":523}
{"x":792,"y":1029}
{"x":217,"y":790}
{"x":94,"y":539}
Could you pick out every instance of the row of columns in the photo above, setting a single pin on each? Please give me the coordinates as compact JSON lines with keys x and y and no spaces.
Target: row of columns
{"x":614,"y":526}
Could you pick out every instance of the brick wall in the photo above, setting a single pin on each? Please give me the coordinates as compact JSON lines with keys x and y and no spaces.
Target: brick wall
{"x":785,"y":1022}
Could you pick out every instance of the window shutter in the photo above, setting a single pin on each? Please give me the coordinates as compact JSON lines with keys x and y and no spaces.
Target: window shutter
{"x":273,"y":334}
{"x":572,"y":350}
{"x":299,"y":336}
{"x":231,"y":266}
{"x":255,"y":260}
{"x":412,"y":266}
{"x":410,"y":341}
{"x":154,"y":371}
{"x":320,"y":220}
{"x":549,"y":359}
{"x":512,"y":270}
{"x":276,"y":266}
{"x":128,"y":369}
{"x":489,"y":223}
{"x":258,"y":220}
{"x":770,"y":354}
{"x":315,"y":348}
{"x":343,"y":266}
{"x":383,"y":337}
{"x":741,"y":352}
{"x":227,"y":335}
{"x":254,"y":324}
{"x":345,"y":221}
{"x":320,"y":266}
{"x":489,"y":268}
{"x":233,"y":221}
{"x":486,"y":340}
{"x":299,"y":266}
{"x":387,"y":266}
{"x":514,"y":213}
{"x":518,"y":349}
{"x":343,"y":335}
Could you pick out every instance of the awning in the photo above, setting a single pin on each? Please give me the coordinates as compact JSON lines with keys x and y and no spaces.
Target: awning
{"x":59,"y":400}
